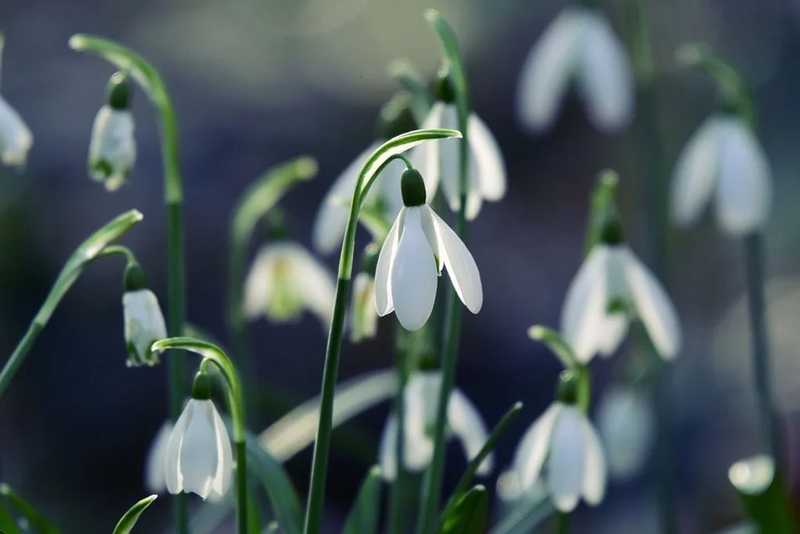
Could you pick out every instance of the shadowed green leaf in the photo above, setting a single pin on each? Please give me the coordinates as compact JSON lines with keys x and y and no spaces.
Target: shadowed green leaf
{"x":128,"y":521}
{"x":363,"y":517}
{"x":470,"y":515}
{"x":280,"y":491}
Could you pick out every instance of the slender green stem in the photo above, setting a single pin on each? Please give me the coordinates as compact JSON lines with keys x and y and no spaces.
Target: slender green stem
{"x":241,"y":486}
{"x":562,"y":521}
{"x":20,"y":353}
{"x":397,"y":517}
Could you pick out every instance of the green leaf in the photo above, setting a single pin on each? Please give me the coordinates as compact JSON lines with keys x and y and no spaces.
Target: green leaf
{"x":26,"y":509}
{"x":280,"y":491}
{"x":128,"y":521}
{"x":363,"y":517}
{"x":8,"y":524}
{"x":603,"y":207}
{"x":470,"y":515}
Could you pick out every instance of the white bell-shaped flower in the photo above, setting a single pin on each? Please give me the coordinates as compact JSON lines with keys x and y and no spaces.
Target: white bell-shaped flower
{"x":285,"y":280}
{"x":154,"y":467}
{"x":15,"y":137}
{"x":563,"y":448}
{"x":198,"y":458}
{"x":421,"y":397}
{"x":626,"y":423}
{"x":363,"y":319}
{"x":407,"y":271}
{"x":578,"y":45}
{"x":112,"y":150}
{"x":144,"y":324}
{"x":439,"y":162}
{"x":611,"y":287}
{"x":723,"y":159}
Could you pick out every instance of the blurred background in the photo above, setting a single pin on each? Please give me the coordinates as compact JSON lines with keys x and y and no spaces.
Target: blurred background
{"x":256,"y":82}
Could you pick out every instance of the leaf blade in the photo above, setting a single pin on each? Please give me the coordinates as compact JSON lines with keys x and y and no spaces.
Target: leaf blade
{"x":363,"y":517}
{"x":129,"y":518}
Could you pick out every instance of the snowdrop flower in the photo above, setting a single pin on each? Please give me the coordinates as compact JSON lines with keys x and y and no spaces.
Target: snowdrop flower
{"x":15,"y":137}
{"x":198,"y":457}
{"x":563,"y":443}
{"x":143,"y":320}
{"x":578,"y":45}
{"x":724,"y":159}
{"x":612,"y":286}
{"x":112,"y":151}
{"x":418,"y":245}
{"x":421,"y":398}
{"x":439,"y":162}
{"x":627,"y":425}
{"x":285,"y":280}
{"x":154,"y":467}
{"x":363,"y":319}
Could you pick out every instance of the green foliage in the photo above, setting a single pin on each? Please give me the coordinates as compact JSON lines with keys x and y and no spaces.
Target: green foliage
{"x":363,"y":517}
{"x":129,"y":519}
{"x":470,"y":515}
{"x":280,"y":491}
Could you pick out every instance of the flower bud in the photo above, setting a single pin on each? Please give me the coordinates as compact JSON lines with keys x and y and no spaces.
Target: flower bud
{"x":112,"y":151}
{"x":119,"y":91}
{"x":567,"y":387}
{"x":144,"y":322}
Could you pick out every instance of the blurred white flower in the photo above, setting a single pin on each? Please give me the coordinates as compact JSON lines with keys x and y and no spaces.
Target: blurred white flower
{"x":578,"y":45}
{"x":112,"y":151}
{"x":421,"y":397}
{"x":407,"y":271}
{"x":144,"y":324}
{"x":611,"y":286}
{"x":565,"y":440}
{"x":198,"y":458}
{"x":284,"y":280}
{"x":627,"y":425}
{"x":15,"y":137}
{"x":363,"y":319}
{"x":154,"y":467}
{"x":439,"y":162}
{"x":723,"y":158}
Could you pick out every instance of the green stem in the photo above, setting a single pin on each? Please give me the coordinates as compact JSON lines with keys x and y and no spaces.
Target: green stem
{"x":20,"y":353}
{"x":397,"y":516}
{"x":562,"y":523}
{"x":241,"y":486}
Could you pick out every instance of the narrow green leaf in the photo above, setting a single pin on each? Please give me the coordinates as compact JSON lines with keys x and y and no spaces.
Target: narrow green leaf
{"x":7,"y":523}
{"x":280,"y":491}
{"x":363,"y":517}
{"x":26,"y":509}
{"x":129,"y":519}
{"x":470,"y":515}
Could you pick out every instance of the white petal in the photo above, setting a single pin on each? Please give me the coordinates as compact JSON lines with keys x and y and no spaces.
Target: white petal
{"x":383,"y":281}
{"x":112,"y":150}
{"x":548,"y":68}
{"x":744,"y":192}
{"x":695,"y":173}
{"x":15,"y":137}
{"x":457,"y":259}
{"x":154,"y":468}
{"x":486,"y":161}
{"x":331,"y":219}
{"x":421,"y":397}
{"x":143,"y":323}
{"x":449,"y":158}
{"x":613,"y":331}
{"x":388,"y":449}
{"x":313,"y":282}
{"x":626,"y":423}
{"x":604,"y":75}
{"x":222,"y":476}
{"x":567,"y":463}
{"x":594,"y":477}
{"x":653,"y":307}
{"x":534,"y":445}
{"x":173,"y":475}
{"x":466,"y":423}
{"x":413,"y":276}
{"x":425,"y":157}
{"x":198,"y":458}
{"x":258,"y":283}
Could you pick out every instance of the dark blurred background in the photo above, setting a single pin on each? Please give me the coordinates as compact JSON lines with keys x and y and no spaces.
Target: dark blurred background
{"x":256,"y":82}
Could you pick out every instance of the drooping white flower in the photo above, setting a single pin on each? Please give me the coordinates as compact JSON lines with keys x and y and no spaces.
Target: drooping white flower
{"x":421,"y":397}
{"x":112,"y":150}
{"x":439,"y":162}
{"x":723,"y":159}
{"x":144,"y":324}
{"x":285,"y":280}
{"x":154,"y":467}
{"x":611,"y":287}
{"x":15,"y":137}
{"x":627,"y":425}
{"x":363,"y":319}
{"x":578,"y":45}
{"x":563,"y":448}
{"x":407,"y":271}
{"x":198,"y":458}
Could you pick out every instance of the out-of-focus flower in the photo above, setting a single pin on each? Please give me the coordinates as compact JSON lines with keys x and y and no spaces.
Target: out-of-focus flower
{"x":198,"y":458}
{"x":154,"y":467}
{"x":579,"y":44}
{"x":363,"y":317}
{"x":421,"y":398}
{"x":564,"y":444}
{"x":112,"y":151}
{"x":407,"y":271}
{"x":15,"y":137}
{"x":285,"y":280}
{"x":143,"y":319}
{"x":627,"y":425}
{"x":724,"y":159}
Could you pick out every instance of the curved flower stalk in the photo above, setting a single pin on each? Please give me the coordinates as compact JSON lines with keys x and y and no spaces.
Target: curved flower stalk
{"x":580,"y":46}
{"x":112,"y":151}
{"x":627,"y":426}
{"x":15,"y":136}
{"x":285,"y":280}
{"x":463,"y":421}
{"x":418,"y":245}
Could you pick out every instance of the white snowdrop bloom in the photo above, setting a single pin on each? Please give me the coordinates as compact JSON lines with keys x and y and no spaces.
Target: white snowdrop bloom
{"x":15,"y":137}
{"x":198,"y":458}
{"x":144,"y":324}
{"x":363,"y":319}
{"x":112,"y":150}
{"x":723,"y":159}
{"x":612,"y":286}
{"x":578,"y":45}
{"x":421,"y":397}
{"x":439,"y":162}
{"x":407,"y":271}
{"x":285,"y":280}
{"x":626,"y":422}
{"x":563,"y":444}
{"x":154,"y":467}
